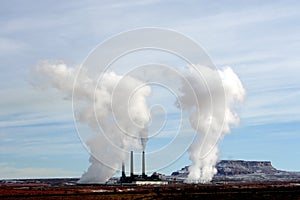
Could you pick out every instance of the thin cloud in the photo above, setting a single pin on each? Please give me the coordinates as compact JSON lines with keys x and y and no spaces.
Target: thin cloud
{"x":9,"y":172}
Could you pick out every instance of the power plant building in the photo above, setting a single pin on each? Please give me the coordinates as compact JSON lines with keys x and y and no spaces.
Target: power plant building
{"x":142,"y":179}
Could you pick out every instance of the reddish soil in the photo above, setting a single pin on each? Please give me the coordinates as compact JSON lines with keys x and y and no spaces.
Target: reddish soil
{"x":230,"y":191}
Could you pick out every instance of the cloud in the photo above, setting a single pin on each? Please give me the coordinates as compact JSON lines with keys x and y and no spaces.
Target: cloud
{"x":9,"y":172}
{"x":9,"y":46}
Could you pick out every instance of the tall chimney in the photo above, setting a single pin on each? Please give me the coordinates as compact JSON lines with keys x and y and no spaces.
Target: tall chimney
{"x":143,"y":164}
{"x":123,"y":170}
{"x":131,"y":163}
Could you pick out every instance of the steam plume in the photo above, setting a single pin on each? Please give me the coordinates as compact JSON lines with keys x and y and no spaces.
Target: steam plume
{"x":211,"y":114}
{"x":114,"y":101}
{"x":118,"y":112}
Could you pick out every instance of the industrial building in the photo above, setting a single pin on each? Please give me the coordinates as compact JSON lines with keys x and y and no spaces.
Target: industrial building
{"x":141,"y":179}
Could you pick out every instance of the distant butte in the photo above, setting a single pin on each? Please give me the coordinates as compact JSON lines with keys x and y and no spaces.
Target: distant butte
{"x":245,"y":171}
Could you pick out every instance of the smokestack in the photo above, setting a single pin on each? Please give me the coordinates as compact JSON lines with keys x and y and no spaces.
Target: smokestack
{"x":123,"y":170}
{"x":131,"y":163}
{"x":143,"y":164}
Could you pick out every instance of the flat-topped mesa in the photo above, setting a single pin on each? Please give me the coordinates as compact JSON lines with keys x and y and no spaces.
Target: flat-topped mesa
{"x":246,"y":163}
{"x":232,"y":167}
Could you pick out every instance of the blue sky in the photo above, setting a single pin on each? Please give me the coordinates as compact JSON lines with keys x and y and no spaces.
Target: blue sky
{"x":259,"y":40}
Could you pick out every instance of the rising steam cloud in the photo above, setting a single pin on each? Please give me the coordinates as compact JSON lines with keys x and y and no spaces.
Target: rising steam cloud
{"x":109,"y":103}
{"x":211,"y":114}
{"x":117,"y":111}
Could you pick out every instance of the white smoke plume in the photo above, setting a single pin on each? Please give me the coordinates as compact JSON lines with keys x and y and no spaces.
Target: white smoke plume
{"x":211,"y":114}
{"x":118,"y":105}
{"x":114,"y":101}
